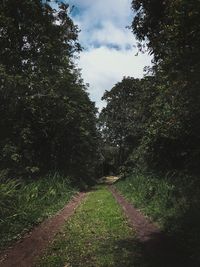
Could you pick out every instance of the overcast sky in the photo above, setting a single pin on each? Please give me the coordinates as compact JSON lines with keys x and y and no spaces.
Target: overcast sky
{"x":109,"y":47}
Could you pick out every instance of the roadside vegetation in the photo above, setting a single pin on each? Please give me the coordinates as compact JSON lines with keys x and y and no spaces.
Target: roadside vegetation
{"x":23,"y":205}
{"x":172,"y":203}
{"x":161,"y":199}
{"x":97,"y":235}
{"x":154,"y":197}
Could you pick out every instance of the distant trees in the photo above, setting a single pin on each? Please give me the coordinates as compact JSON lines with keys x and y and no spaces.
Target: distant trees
{"x":47,"y":120}
{"x":125,"y":119}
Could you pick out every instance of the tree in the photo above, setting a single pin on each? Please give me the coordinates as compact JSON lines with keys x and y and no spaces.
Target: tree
{"x":170,"y":31}
{"x":47,"y":120}
{"x":126,"y":115}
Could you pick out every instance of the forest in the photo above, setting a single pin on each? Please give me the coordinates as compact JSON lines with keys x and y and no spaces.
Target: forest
{"x":55,"y":143}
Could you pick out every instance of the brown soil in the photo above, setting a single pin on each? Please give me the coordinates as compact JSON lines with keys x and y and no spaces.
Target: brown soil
{"x":158,"y":249}
{"x":25,"y":252}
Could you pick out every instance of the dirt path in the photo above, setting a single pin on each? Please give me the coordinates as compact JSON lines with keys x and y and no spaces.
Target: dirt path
{"x":97,"y":235}
{"x":24,"y":253}
{"x":108,"y":180}
{"x":157,"y":248}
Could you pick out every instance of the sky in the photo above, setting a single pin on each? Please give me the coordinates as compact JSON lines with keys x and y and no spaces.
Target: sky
{"x":110,"y":50}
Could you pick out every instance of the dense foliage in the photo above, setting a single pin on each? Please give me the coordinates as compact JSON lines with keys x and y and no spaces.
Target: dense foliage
{"x":171,"y":32}
{"x":124,"y":120}
{"x":47,"y":120}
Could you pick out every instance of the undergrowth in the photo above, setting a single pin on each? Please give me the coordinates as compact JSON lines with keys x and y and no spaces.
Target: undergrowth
{"x":23,"y":205}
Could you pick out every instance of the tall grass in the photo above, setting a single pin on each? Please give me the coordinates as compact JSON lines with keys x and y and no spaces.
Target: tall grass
{"x":172,"y":202}
{"x":155,"y":197}
{"x":23,"y":205}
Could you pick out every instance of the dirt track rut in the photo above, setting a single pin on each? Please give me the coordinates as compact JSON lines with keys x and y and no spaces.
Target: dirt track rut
{"x":25,"y":252}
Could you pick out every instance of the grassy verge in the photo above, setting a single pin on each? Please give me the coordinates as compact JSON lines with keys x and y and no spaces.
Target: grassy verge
{"x":97,"y":235}
{"x":154,"y":197}
{"x":174,"y":205}
{"x":24,"y":205}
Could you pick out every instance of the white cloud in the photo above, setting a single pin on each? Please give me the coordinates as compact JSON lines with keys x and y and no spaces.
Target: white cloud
{"x":111,"y":34}
{"x":103,"y":28}
{"x":103,"y":67}
{"x":101,"y":16}
{"x":98,"y":10}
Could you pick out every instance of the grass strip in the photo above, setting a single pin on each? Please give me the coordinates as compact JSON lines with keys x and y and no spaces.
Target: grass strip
{"x":97,"y":235}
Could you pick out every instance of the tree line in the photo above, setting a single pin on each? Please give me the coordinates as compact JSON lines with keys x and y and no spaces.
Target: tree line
{"x":48,"y":122}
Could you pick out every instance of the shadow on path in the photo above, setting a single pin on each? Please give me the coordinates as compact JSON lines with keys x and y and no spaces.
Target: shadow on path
{"x":156,"y":249}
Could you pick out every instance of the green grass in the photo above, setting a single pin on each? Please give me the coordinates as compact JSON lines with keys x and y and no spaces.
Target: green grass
{"x":155,"y":197}
{"x":23,"y":205}
{"x":97,"y":235}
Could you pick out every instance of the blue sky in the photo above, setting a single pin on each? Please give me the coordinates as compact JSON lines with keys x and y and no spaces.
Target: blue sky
{"x":109,"y":47}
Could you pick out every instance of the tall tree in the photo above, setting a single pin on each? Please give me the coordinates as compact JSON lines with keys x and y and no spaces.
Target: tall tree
{"x":47,"y":120}
{"x":170,"y":30}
